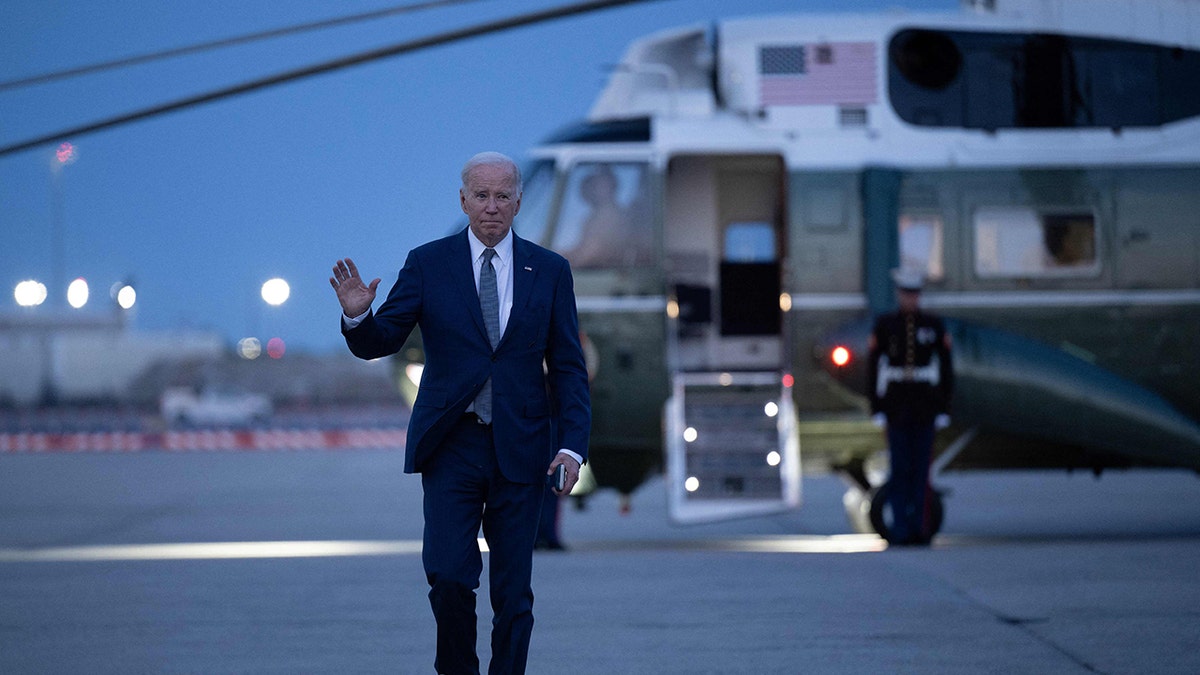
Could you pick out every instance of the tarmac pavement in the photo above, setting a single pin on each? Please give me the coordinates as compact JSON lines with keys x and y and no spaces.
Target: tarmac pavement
{"x":308,"y":562}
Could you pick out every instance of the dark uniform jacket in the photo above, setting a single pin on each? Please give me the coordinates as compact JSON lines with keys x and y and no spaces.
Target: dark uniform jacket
{"x":909,"y":370}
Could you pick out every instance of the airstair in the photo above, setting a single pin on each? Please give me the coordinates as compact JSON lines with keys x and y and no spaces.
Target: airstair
{"x":733,"y":447}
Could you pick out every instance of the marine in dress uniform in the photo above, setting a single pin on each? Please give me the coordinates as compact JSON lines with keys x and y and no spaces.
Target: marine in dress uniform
{"x":911,"y":379}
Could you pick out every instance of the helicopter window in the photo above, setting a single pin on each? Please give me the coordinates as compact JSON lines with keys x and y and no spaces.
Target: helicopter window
{"x":995,"y":81}
{"x":1020,"y":242}
{"x":1125,"y":81}
{"x":537,"y":193}
{"x":928,"y":59}
{"x":749,"y":243}
{"x":921,"y":243}
{"x":605,"y":218}
{"x":986,"y":106}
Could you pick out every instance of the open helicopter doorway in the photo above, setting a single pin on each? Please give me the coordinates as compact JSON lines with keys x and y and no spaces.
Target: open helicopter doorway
{"x":731,"y":439}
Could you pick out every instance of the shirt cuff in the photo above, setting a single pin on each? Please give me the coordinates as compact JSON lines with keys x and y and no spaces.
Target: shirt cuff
{"x":572,"y":454}
{"x":350,"y":323}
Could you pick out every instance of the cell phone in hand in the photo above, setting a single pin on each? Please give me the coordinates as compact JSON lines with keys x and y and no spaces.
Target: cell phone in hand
{"x":559,"y":478}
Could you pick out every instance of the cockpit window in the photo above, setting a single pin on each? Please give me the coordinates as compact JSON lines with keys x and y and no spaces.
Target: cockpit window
{"x":536,"y":199}
{"x":605,"y":220}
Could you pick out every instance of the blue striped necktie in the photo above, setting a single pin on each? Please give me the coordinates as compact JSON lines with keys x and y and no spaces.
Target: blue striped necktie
{"x":489,"y":302}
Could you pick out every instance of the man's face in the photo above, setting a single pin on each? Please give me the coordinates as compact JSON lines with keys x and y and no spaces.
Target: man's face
{"x":491,"y":201}
{"x":908,"y":300}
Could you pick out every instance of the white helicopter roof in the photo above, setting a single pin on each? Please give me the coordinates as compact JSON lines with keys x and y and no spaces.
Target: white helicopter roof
{"x":667,"y":77}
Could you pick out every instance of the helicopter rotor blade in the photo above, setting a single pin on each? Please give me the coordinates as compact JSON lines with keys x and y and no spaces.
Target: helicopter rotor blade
{"x":325,"y":67}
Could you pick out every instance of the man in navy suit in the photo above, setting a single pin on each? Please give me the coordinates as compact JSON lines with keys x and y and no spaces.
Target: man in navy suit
{"x":503,"y":402}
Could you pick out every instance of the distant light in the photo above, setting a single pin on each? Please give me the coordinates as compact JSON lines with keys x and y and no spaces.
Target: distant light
{"x":126,"y":297}
{"x":30,"y":293}
{"x":771,"y":408}
{"x":840,"y":356}
{"x":77,"y":293}
{"x":691,"y":484}
{"x":276,"y":291}
{"x":276,"y":348}
{"x":774,"y":458}
{"x":725,"y":379}
{"x":785,"y":302}
{"x":66,"y":153}
{"x":690,"y":434}
{"x":788,"y":380}
{"x":249,"y":348}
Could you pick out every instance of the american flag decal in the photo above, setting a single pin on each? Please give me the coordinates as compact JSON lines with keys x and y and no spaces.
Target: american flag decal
{"x":829,"y":73}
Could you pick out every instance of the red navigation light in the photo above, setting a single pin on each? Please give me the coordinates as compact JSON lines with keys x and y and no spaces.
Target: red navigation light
{"x":840,"y":356}
{"x":788,"y":380}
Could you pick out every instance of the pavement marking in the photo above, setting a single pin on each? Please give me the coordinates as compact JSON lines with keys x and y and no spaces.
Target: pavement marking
{"x":242,"y":550}
{"x":212,"y":551}
{"x":834,"y":543}
{"x":801,"y":543}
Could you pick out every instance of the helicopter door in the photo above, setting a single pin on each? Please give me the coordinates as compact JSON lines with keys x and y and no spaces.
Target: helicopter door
{"x":724,"y":247}
{"x":729,"y":424}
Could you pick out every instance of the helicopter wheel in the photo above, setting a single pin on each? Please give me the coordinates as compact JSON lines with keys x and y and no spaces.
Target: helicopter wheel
{"x":882,"y":518}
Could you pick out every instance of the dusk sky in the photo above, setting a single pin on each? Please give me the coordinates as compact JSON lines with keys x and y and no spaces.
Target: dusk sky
{"x":199,"y":207}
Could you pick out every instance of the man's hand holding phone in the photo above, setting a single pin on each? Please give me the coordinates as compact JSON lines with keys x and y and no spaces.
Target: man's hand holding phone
{"x":563,"y":474}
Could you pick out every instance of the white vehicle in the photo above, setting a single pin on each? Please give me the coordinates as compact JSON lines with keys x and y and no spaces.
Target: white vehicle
{"x":211,"y":407}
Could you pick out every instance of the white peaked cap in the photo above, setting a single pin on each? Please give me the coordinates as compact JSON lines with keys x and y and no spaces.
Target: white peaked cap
{"x":908,"y":278}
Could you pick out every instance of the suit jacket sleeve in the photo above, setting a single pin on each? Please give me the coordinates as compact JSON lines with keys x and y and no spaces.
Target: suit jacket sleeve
{"x":567,"y":371}
{"x":383,"y":333}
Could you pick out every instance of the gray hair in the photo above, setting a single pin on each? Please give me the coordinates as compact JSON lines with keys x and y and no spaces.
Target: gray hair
{"x":492,"y":159}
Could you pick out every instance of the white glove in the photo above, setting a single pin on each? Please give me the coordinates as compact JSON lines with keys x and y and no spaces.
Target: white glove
{"x":941,"y":421}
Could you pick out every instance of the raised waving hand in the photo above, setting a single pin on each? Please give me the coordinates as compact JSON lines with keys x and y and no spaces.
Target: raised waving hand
{"x":356,"y":297}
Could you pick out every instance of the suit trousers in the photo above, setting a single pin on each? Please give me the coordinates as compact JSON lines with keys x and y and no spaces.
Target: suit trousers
{"x":465,"y":488}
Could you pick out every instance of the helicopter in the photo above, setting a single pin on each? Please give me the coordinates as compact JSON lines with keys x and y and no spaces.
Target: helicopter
{"x":735,"y":200}
{"x":733,"y":203}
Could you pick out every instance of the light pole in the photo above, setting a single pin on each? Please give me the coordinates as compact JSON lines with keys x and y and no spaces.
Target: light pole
{"x":64,"y":154}
{"x":31,"y":293}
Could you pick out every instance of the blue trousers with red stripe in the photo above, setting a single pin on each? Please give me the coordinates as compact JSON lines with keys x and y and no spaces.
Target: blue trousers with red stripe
{"x":910,"y":447}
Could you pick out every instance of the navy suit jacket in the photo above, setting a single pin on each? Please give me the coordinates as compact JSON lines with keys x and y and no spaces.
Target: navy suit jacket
{"x":536,"y":410}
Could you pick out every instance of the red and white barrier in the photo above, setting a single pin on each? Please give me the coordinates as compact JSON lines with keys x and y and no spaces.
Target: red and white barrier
{"x":216,"y":440}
